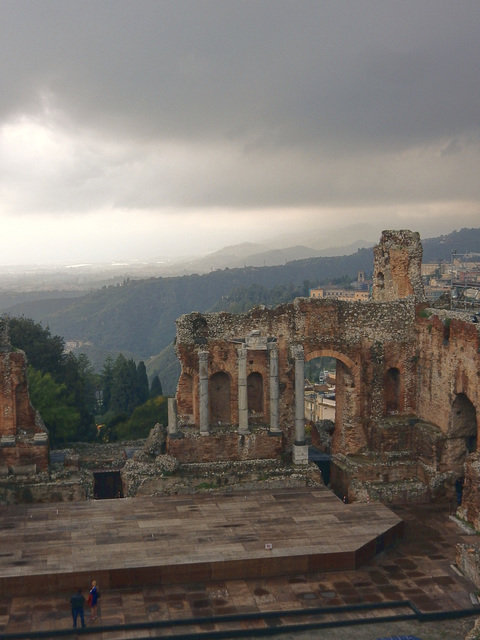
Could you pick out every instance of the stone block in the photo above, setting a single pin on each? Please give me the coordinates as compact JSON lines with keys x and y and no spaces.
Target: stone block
{"x":300,"y":454}
{"x":7,"y":441}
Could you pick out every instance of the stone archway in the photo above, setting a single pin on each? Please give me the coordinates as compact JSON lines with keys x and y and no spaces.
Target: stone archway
{"x":348,"y":435}
{"x":219,"y":394}
{"x":462,"y":422}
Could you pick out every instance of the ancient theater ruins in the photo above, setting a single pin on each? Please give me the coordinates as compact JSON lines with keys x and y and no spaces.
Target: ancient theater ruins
{"x":406,"y":423}
{"x":407,"y":386}
{"x":406,"y":418}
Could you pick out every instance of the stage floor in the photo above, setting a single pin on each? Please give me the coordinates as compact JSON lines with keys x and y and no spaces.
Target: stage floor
{"x":182,"y":539}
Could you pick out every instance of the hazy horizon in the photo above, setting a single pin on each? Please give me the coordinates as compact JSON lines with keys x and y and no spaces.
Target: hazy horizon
{"x":131,"y":131}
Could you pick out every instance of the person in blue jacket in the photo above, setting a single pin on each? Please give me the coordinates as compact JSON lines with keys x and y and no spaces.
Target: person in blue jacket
{"x":93,"y":598}
{"x":77,"y":602}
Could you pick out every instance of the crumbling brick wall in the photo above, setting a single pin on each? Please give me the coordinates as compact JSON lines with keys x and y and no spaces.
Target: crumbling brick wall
{"x":23,"y":437}
{"x":397,"y":266}
{"x":393,"y":364}
{"x":367,"y":338}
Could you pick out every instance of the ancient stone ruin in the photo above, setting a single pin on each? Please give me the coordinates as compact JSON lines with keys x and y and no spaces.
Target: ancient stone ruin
{"x":407,"y":400}
{"x":23,"y":437}
{"x":407,"y":392}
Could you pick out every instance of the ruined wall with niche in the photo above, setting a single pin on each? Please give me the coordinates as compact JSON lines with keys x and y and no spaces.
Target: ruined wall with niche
{"x":398,"y":260}
{"x":23,"y":437}
{"x":448,"y":364}
{"x":367,"y":338}
{"x":407,"y":386}
{"x":222,"y":335}
{"x":408,"y":399}
{"x":449,"y":395}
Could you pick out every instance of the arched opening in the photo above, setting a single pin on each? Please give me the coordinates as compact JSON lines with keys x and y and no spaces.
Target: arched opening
{"x":463,"y":422}
{"x":392,"y":391}
{"x":219,"y":393}
{"x":320,"y":386}
{"x":255,"y":395}
{"x":330,"y":410}
{"x":380,"y":281}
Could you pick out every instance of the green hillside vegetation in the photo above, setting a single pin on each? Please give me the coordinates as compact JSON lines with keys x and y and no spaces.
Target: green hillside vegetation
{"x":72,"y":399}
{"x":139,"y":424}
{"x":139,"y":316}
{"x":62,"y":386}
{"x":167,"y":367}
{"x":442,"y":247}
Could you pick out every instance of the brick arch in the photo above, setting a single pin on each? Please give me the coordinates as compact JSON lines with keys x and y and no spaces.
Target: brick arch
{"x":462,"y":422}
{"x":349,"y":436}
{"x":331,"y":353}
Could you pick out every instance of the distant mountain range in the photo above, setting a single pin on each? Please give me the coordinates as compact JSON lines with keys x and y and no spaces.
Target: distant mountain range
{"x":256,"y":255}
{"x":138,"y":316}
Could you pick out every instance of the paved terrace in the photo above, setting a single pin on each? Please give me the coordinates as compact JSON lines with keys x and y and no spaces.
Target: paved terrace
{"x":418,"y":569}
{"x":181,"y":539}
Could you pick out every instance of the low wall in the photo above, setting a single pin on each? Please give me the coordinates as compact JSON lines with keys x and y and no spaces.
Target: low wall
{"x":224,"y":446}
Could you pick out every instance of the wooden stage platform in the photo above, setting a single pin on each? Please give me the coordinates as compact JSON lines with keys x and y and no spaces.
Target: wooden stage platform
{"x":143,"y":541}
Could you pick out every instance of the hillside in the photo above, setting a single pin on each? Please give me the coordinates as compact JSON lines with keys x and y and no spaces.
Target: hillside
{"x":441,"y":248}
{"x":139,"y":316}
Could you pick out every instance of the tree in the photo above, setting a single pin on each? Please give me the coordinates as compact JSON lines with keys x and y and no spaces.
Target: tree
{"x":56,"y":407}
{"x":156,"y":387}
{"x":82,"y":383}
{"x":142,"y":420}
{"x":72,"y":377}
{"x":106,"y":383}
{"x":44,"y":352}
{"x":142,"y":384}
{"x":124,"y":385}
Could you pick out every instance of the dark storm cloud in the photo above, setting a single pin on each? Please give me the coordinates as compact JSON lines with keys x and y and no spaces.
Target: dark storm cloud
{"x":249,"y":104}
{"x":273,"y":73}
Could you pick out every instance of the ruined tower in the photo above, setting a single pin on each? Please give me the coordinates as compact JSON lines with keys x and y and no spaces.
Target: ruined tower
{"x":23,"y":437}
{"x":397,"y":266}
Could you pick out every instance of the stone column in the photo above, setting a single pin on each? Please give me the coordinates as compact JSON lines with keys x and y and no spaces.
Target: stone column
{"x":300,"y":450}
{"x":172,"y":418}
{"x":273,"y":354}
{"x":242,"y":391}
{"x":203,"y":391}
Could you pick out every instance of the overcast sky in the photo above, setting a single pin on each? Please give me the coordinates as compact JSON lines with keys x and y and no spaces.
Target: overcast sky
{"x":154,"y":128}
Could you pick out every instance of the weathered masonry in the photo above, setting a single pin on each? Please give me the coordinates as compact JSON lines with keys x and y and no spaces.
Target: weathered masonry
{"x":407,"y":386}
{"x":23,"y":437}
{"x":407,"y":402}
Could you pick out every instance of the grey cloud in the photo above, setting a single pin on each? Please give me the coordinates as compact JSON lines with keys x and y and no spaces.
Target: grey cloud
{"x":303,"y":74}
{"x":283,"y":103}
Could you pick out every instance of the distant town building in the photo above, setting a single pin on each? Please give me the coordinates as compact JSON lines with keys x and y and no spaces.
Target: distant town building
{"x":360,"y":290}
{"x":71,"y":345}
{"x":340,"y":294}
{"x":319,"y":406}
{"x":459,"y":279}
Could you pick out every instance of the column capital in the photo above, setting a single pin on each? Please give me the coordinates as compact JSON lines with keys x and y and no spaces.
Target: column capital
{"x":203,"y":356}
{"x":298,"y":352}
{"x":273,"y":352}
